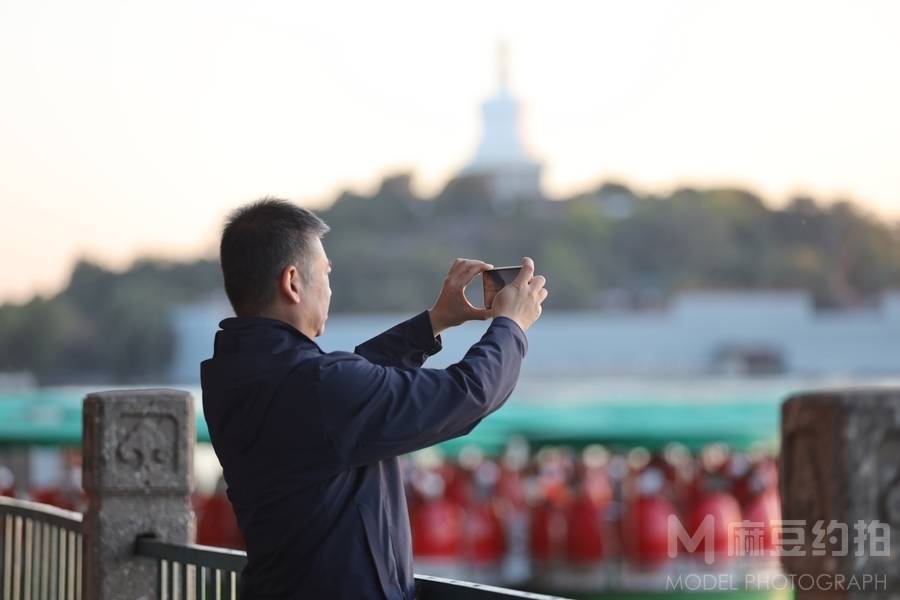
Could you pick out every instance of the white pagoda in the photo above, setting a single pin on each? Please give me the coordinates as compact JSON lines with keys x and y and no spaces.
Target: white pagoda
{"x":501,"y":158}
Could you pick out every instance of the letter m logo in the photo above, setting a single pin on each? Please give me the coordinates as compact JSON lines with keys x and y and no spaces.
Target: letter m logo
{"x":705,"y":534}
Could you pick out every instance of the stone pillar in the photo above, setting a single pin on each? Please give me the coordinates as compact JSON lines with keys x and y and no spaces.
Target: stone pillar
{"x":138,"y":454}
{"x":840,"y":467}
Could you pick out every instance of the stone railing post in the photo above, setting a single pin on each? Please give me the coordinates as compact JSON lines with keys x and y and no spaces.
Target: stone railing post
{"x":138,"y":452}
{"x":840,"y":475}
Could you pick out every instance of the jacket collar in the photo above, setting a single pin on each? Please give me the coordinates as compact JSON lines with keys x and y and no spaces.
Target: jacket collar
{"x":259,"y":333}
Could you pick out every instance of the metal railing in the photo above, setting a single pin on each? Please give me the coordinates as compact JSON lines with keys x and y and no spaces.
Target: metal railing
{"x":194,"y":572}
{"x":439,"y":588}
{"x":40,"y":551}
{"x":41,"y":557}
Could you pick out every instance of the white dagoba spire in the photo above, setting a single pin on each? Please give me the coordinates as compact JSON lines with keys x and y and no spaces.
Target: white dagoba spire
{"x":500,"y":154}
{"x":502,"y":65}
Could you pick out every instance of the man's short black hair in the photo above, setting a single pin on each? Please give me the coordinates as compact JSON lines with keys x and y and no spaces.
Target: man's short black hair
{"x":258,"y":242}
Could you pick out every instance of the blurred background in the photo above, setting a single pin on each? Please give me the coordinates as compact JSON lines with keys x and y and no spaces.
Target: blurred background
{"x":711,"y":189}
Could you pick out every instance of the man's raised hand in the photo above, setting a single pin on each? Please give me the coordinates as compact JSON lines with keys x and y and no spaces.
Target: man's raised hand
{"x":521,"y":300}
{"x":452,"y":307}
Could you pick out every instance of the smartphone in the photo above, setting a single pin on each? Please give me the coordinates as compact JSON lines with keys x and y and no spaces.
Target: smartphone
{"x":493,"y":281}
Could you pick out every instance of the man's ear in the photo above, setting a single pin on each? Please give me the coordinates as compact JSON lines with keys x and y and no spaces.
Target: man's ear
{"x":289,"y":285}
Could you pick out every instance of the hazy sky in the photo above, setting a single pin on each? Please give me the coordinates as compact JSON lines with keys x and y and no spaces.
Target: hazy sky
{"x":133,"y":127}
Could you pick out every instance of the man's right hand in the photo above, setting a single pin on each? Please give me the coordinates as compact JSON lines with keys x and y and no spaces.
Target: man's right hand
{"x":521,"y":300}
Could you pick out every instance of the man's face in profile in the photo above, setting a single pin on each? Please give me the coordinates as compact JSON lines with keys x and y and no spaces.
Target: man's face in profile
{"x":317,"y":291}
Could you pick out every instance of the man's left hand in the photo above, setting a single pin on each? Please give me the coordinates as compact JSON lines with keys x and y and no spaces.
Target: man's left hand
{"x":452,"y":307}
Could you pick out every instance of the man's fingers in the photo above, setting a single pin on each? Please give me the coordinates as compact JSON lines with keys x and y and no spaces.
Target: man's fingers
{"x":544,"y":293}
{"x":464,"y":271}
{"x":456,"y":266}
{"x":526,"y":273}
{"x":538,"y":282}
{"x":475,"y":269}
{"x":463,"y":263}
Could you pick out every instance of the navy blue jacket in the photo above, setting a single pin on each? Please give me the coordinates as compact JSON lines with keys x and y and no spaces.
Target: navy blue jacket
{"x":309,"y":441}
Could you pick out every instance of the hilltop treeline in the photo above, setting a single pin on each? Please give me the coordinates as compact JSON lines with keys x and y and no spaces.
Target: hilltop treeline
{"x":105,"y":325}
{"x":609,"y":247}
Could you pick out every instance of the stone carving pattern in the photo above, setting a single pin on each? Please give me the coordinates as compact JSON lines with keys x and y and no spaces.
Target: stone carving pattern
{"x":148,"y":443}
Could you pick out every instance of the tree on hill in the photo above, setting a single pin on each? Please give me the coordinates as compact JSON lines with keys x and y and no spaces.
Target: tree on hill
{"x":391,"y":250}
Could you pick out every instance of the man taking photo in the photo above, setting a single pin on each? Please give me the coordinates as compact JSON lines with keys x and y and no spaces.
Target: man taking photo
{"x":309,"y":440}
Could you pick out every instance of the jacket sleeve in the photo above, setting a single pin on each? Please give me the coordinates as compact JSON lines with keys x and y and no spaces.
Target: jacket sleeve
{"x":372,"y":412}
{"x":406,"y":344}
